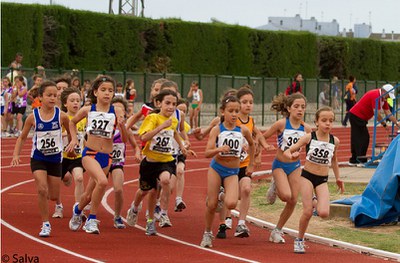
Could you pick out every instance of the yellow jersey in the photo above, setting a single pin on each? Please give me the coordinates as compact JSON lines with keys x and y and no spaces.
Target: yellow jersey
{"x":81,"y":126}
{"x":160,"y":147}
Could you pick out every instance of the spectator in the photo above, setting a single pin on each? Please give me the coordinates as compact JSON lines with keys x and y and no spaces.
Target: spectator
{"x":119,"y":91}
{"x":359,"y":115}
{"x":323,"y":98}
{"x":295,"y":86}
{"x":130,"y":91}
{"x":16,"y":64}
{"x":350,"y":97}
{"x":336,"y":93}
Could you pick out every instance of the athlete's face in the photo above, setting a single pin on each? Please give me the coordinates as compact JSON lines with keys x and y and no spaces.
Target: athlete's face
{"x":60,"y":88}
{"x":5,"y":83}
{"x":231,"y":112}
{"x":155,"y":90}
{"x":325,"y":121}
{"x":73,"y":102}
{"x":105,"y":92}
{"x":119,"y":105}
{"x":168,"y":105}
{"x":49,"y":97}
{"x":297,"y":109}
{"x":246,"y":104}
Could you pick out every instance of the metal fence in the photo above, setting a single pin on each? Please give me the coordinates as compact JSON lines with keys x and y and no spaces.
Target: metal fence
{"x":214,"y":86}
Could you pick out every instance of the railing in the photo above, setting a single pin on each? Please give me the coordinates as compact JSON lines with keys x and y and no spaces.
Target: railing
{"x":213,"y":87}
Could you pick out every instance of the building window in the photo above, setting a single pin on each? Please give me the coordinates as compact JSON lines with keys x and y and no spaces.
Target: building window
{"x":281,"y":22}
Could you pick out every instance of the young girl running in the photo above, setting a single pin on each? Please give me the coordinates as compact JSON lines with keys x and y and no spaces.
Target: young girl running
{"x":102,"y":121}
{"x":321,"y":149}
{"x":157,"y":130}
{"x":246,"y":97}
{"x":144,"y":111}
{"x":286,"y":171}
{"x":177,"y":180}
{"x":46,"y":155}
{"x":118,"y":156}
{"x":72,"y":161}
{"x":225,"y":145}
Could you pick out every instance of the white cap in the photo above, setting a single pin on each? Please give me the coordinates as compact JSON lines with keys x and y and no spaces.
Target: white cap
{"x":389,"y":88}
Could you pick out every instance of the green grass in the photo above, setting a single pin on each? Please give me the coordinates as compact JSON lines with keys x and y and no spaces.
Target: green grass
{"x":385,"y":238}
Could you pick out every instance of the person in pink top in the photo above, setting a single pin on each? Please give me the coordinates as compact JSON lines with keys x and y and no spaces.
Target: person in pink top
{"x":363,"y":111}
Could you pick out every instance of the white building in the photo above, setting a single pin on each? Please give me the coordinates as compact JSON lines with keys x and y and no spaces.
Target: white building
{"x":296,"y":23}
{"x":362,"y":30}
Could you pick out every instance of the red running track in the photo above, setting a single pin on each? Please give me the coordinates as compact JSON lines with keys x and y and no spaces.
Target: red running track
{"x":21,"y":223}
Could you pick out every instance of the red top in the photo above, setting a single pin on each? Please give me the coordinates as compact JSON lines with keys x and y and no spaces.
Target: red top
{"x":365,"y":107}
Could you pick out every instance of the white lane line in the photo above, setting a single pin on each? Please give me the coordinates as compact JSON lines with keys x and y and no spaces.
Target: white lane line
{"x":37,"y":239}
{"x":111,"y":211}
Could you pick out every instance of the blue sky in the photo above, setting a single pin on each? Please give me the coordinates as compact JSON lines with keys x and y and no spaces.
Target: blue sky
{"x":253,"y":13}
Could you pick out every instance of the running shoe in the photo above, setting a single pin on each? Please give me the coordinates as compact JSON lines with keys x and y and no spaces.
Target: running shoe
{"x":157,"y":213}
{"x":76,"y":220}
{"x":131,"y":217}
{"x":46,"y":229}
{"x":118,"y":223}
{"x":179,"y":205}
{"x":207,"y":240}
{"x":276,"y":236}
{"x":92,"y":226}
{"x":151,"y":228}
{"x":58,"y":212}
{"x":221,"y":231}
{"x":299,"y":246}
{"x":242,"y":231}
{"x":164,"y":221}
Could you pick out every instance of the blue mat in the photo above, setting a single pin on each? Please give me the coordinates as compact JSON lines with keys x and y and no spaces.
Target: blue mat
{"x":380,"y":202}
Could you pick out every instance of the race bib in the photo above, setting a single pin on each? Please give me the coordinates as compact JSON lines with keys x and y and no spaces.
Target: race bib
{"x":290,"y":137}
{"x":117,"y":153}
{"x":101,"y":124}
{"x":320,"y":152}
{"x":48,"y":143}
{"x":233,"y":140}
{"x":162,"y":142}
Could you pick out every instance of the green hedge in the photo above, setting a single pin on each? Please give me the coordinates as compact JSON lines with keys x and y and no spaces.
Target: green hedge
{"x":57,"y":37}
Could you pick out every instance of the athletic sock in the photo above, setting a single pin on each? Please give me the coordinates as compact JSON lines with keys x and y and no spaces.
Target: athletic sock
{"x":91,"y":216}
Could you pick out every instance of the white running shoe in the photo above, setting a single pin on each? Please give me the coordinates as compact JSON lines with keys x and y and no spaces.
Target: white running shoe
{"x":276,"y":236}
{"x":131,"y":217}
{"x":271,"y":193}
{"x":92,"y":226}
{"x":58,"y":212}
{"x":228,"y":223}
{"x":299,"y":246}
{"x":207,"y":240}
{"x":76,"y":220}
{"x":151,"y":228}
{"x":46,"y":229}
{"x":164,"y":221}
